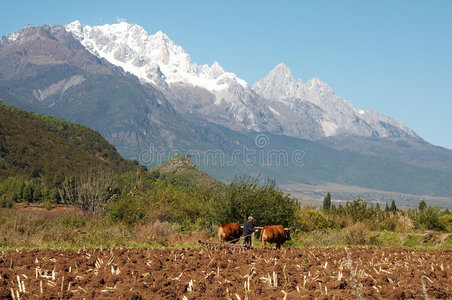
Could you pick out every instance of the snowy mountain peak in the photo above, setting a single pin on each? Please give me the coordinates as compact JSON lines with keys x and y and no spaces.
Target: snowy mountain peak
{"x":216,"y":70}
{"x":75,"y":28}
{"x":281,"y":74}
{"x":319,"y":86}
{"x":282,"y":70}
{"x":152,"y":58}
{"x":279,"y":83}
{"x":160,"y":35}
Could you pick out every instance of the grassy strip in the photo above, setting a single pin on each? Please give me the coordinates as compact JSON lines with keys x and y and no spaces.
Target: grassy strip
{"x":416,"y":239}
{"x":74,"y":230}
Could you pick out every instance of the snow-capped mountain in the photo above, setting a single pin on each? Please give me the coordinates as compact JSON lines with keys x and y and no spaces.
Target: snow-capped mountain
{"x":316,"y":101}
{"x":278,"y":103}
{"x":150,"y":57}
{"x":156,"y":59}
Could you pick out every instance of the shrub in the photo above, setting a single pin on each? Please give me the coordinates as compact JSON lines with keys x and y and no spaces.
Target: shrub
{"x":389,"y":224}
{"x":397,"y":222}
{"x":357,"y":209}
{"x":167,"y":202}
{"x":310,"y":219}
{"x":404,"y":223}
{"x":6,"y":202}
{"x":127,"y":209}
{"x":446,"y":222}
{"x":266,"y":203}
{"x":341,"y":221}
{"x":428,"y":218}
{"x":356,"y":234}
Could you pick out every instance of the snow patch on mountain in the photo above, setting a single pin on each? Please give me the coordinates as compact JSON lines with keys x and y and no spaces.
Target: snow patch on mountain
{"x":58,"y":88}
{"x":329,"y":128}
{"x":274,"y":111}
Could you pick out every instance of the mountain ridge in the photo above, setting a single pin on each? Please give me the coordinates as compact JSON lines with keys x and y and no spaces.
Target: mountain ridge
{"x":268,"y":106}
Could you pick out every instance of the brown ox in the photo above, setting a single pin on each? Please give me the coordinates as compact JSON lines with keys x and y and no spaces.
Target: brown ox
{"x":275,"y":234}
{"x":229,"y":232}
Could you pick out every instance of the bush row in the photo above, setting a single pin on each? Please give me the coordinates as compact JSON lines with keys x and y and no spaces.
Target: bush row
{"x":143,"y":197}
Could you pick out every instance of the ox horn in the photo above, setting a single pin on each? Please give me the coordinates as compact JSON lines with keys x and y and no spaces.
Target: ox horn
{"x":290,"y":228}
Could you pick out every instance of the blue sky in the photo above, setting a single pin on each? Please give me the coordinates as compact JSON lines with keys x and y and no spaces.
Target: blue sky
{"x":391,"y":56}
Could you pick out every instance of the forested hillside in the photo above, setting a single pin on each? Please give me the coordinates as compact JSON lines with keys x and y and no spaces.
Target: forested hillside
{"x":37,"y":146}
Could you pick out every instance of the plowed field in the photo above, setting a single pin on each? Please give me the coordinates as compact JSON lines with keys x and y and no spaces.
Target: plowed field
{"x":290,"y":273}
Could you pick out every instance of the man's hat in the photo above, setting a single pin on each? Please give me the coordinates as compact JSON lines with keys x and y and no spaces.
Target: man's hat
{"x":250,"y":218}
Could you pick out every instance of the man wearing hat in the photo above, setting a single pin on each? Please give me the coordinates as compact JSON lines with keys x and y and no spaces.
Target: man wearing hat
{"x":247,"y":231}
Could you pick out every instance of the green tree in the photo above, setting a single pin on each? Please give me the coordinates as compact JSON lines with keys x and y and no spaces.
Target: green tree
{"x":358,"y":210}
{"x":333,"y":207}
{"x":377,"y":208}
{"x":266,"y":203}
{"x":27,"y":192}
{"x":422,"y":205}
{"x":327,"y":202}
{"x":429,"y":218}
{"x":393,"y":207}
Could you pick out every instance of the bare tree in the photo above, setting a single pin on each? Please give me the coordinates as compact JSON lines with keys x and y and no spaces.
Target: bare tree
{"x":90,"y":191}
{"x":68,"y":191}
{"x":94,"y":189}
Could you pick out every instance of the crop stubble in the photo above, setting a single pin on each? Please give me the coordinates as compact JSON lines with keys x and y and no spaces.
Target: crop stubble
{"x":290,"y":273}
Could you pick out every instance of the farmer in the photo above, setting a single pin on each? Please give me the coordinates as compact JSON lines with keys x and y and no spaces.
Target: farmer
{"x":247,"y":231}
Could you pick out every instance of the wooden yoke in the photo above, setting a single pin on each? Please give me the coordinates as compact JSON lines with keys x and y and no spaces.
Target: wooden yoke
{"x":260,"y":227}
{"x":257,"y":227}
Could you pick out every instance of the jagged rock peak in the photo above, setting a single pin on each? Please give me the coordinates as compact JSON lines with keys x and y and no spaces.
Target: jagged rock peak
{"x":216,"y":70}
{"x":282,"y":70}
{"x":17,"y":34}
{"x":75,"y":28}
{"x":280,"y":74}
{"x":278,"y":83}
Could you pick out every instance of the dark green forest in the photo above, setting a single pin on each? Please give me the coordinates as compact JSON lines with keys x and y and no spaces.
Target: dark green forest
{"x":37,"y":146}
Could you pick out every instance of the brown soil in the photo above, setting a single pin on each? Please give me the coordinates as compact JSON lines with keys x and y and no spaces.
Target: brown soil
{"x":366,"y":273}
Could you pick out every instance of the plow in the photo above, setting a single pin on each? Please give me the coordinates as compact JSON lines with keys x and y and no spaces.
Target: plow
{"x":231,"y":244}
{"x":225,"y":245}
